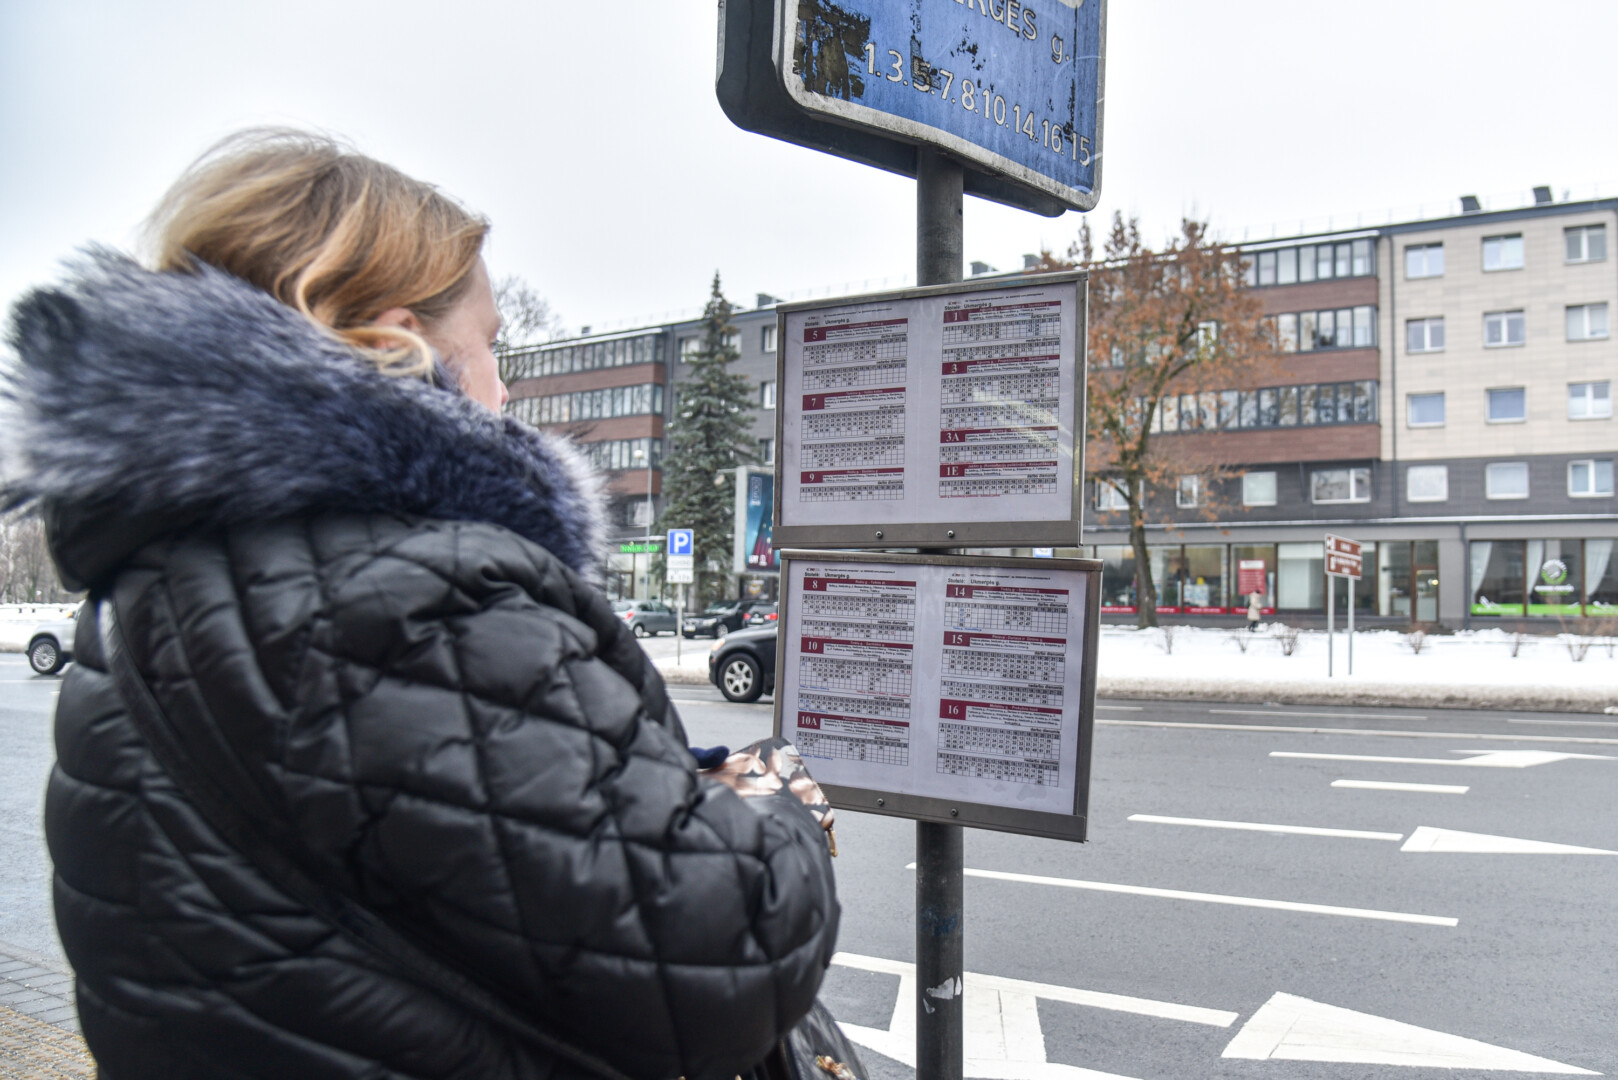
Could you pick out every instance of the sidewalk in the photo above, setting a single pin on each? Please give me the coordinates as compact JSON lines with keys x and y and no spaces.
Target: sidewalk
{"x":39,"y":1024}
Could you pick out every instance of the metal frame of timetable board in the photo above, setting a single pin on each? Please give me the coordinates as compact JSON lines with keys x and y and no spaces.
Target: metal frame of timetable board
{"x":945,"y":532}
{"x":761,"y":93}
{"x":949,"y":811}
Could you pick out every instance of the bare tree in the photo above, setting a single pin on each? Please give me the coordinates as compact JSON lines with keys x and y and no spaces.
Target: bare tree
{"x":526,"y":319}
{"x":27,"y":575}
{"x":1167,"y":327}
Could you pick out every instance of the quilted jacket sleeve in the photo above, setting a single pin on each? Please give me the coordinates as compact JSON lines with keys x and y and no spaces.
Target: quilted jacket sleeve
{"x":465,"y":738}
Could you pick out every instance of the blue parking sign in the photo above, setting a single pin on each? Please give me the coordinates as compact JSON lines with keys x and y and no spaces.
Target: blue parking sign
{"x":681,"y":542}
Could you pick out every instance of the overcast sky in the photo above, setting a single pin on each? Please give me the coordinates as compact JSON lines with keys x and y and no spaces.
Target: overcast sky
{"x":589,"y":133}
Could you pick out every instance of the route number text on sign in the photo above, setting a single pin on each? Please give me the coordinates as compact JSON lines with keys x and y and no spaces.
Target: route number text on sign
{"x":1012,"y":87}
{"x":1343,"y":557}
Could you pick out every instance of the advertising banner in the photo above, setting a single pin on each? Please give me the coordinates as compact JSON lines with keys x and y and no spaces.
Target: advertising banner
{"x":754,"y":550}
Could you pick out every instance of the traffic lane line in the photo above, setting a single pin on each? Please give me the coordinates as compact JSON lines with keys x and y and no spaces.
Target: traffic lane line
{"x":1480,"y":759}
{"x":1568,"y":723}
{"x":1323,"y":715}
{"x":1277,"y":729}
{"x":1213,"y":898}
{"x":1254,"y":826}
{"x":1391,"y":785}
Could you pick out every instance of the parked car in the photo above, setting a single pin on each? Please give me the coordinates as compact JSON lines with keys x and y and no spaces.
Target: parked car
{"x":719,"y":619}
{"x":647,"y":618}
{"x":742,"y":664}
{"x":763,"y":615}
{"x":50,"y":648}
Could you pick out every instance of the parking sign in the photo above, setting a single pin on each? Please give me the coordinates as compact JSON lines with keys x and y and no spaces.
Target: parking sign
{"x":681,"y":542}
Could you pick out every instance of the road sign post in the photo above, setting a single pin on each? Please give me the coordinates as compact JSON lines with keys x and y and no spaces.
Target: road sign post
{"x":1343,"y":559}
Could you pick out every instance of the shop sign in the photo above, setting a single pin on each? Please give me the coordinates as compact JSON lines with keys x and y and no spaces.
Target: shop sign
{"x":1553,"y":591}
{"x":1251,"y":577}
{"x":641,"y":547}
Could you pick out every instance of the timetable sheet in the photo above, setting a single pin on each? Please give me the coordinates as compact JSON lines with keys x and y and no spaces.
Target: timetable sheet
{"x":932,"y":409}
{"x":952,"y":681}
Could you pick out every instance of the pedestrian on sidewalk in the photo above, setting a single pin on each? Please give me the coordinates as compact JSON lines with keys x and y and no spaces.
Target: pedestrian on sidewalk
{"x":1255,"y":611}
{"x":345,"y":652}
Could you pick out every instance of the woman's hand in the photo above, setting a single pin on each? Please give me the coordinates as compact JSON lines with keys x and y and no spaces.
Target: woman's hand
{"x":770,"y":766}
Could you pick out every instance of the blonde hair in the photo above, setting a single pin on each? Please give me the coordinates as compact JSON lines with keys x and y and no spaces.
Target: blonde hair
{"x":324,"y":229}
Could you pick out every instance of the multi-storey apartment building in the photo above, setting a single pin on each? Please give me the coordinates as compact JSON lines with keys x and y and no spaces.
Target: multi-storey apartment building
{"x":1446,"y":398}
{"x":1442,"y":392}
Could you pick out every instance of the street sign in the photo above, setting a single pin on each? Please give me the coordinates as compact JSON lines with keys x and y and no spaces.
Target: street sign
{"x":681,"y":542}
{"x":681,"y":562}
{"x":946,"y":416}
{"x":673,"y":576}
{"x":1342,"y":557}
{"x":946,"y":688}
{"x":1013,"y":90}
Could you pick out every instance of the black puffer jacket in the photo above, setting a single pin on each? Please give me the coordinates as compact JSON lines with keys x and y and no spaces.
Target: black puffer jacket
{"x":373,"y":596}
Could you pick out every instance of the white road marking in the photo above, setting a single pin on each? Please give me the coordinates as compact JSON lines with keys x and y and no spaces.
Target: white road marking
{"x":1569,"y":723}
{"x":1426,"y":838}
{"x":1482,"y":759}
{"x":1253,"y":826}
{"x":1272,"y":728}
{"x":1213,"y":898}
{"x":1389,"y":785}
{"x":1288,"y":1028}
{"x":1123,"y":708}
{"x":1327,"y":715}
{"x":1000,"y":1023}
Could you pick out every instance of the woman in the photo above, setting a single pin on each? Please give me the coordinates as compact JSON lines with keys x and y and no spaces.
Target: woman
{"x":360,"y":600}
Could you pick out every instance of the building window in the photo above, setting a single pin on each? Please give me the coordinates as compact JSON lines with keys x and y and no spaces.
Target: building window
{"x":1586,"y":322}
{"x":766,"y":394}
{"x":689,"y":347}
{"x":1506,"y":480}
{"x":1424,"y":260}
{"x":1258,"y":489}
{"x":1586,"y":243}
{"x":600,"y":404}
{"x":1589,"y":400}
{"x":766,"y":451}
{"x":1589,"y":479}
{"x":1207,"y":334}
{"x":1508,"y":406}
{"x":1427,"y":483}
{"x":1185,"y":494}
{"x":1362,"y":258}
{"x":732,"y":341}
{"x":1340,"y":485}
{"x":767,"y":338}
{"x":1424,"y":335}
{"x":1109,"y":497}
{"x":1266,"y":268}
{"x":1504,"y":328}
{"x":615,"y":455}
{"x":1502,"y":252}
{"x":1311,"y":262}
{"x":1425,"y":410}
{"x":586,"y":356}
{"x":1343,"y":328}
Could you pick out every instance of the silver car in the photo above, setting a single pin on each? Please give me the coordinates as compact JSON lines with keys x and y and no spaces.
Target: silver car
{"x":647,"y":618}
{"x":50,"y":647}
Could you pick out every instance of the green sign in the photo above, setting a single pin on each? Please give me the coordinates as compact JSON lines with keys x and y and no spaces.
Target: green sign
{"x":641,"y":547}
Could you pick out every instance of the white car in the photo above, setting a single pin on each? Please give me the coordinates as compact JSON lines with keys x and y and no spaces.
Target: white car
{"x":50,"y":647}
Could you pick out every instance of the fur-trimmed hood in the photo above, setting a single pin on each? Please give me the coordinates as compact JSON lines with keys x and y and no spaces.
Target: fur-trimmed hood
{"x":142,"y":402}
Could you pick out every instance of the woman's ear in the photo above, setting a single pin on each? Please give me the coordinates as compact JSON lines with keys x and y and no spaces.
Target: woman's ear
{"x":403,"y":318}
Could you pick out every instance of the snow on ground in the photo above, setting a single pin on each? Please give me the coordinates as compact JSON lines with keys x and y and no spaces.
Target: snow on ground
{"x":1479,"y":668}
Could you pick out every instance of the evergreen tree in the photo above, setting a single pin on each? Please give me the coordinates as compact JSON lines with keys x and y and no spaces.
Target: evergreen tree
{"x":710,"y":436}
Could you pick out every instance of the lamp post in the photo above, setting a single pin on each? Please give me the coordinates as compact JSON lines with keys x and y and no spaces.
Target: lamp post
{"x":639,"y":454}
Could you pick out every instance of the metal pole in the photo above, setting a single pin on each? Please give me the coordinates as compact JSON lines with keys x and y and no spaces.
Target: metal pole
{"x":939,"y":848}
{"x":648,"y":519}
{"x":1331,"y":619}
{"x":1351,"y":625}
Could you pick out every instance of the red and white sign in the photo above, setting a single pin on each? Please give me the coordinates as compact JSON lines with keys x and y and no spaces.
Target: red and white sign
{"x":1342,"y":557}
{"x":1251,"y":577}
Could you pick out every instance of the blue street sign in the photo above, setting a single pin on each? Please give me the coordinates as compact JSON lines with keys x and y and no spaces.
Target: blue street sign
{"x":681,"y":542}
{"x":1013,"y":88}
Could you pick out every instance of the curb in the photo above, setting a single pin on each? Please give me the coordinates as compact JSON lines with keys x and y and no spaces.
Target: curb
{"x":1381,"y":695}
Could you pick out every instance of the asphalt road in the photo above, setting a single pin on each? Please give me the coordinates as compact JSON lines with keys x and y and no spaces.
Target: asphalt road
{"x":1209,"y":938}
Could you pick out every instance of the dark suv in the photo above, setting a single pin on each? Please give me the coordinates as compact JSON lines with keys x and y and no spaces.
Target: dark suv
{"x":742,"y":664}
{"x":719,"y":619}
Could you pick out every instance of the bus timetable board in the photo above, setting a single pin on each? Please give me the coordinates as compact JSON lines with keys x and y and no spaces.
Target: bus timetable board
{"x":947,"y":416}
{"x":949,"y":688}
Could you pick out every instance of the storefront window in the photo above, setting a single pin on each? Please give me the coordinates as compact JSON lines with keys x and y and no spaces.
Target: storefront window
{"x":1300,"y":577}
{"x":1600,"y":578}
{"x":1204,"y":589}
{"x":1393,"y":579}
{"x":1555,"y":582}
{"x":1168,"y":568}
{"x":1497,"y":577}
{"x":1255,"y":571}
{"x":1425,"y":571}
{"x":1117,"y":578}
